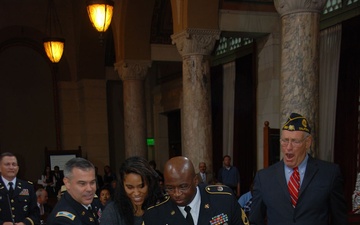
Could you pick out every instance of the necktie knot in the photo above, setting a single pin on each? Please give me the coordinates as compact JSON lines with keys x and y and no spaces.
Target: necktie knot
{"x":187,"y":209}
{"x":90,"y":210}
{"x":11,"y":189}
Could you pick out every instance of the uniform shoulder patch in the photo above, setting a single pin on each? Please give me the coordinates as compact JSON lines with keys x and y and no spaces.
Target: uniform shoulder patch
{"x":65,"y":214}
{"x":218,"y":189}
{"x":166,"y":198}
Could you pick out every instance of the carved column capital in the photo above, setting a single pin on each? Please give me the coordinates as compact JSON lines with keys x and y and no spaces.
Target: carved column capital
{"x":285,"y":7}
{"x":194,"y":41}
{"x":132,"y":69}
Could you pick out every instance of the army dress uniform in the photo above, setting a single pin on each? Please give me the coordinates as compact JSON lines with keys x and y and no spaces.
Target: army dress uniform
{"x":70,"y":212}
{"x":218,"y":206}
{"x":21,"y":206}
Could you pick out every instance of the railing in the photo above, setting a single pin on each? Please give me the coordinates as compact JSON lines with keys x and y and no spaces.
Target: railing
{"x":334,"y":5}
{"x":228,"y":44}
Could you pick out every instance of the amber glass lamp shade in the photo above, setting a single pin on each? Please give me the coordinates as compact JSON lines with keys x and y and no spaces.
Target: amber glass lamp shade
{"x":54,"y":48}
{"x":100,"y":13}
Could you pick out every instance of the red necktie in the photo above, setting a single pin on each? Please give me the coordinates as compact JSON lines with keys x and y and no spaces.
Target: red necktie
{"x":294,"y":186}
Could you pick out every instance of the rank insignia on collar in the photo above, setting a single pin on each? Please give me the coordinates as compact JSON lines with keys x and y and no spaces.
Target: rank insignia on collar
{"x":172,"y":213}
{"x":219,"y":219}
{"x":206,"y":206}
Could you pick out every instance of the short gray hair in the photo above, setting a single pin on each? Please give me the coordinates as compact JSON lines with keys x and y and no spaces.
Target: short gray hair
{"x":39,"y":192}
{"x":79,"y":163}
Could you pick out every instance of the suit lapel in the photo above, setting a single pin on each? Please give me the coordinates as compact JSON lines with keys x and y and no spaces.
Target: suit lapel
{"x":175,"y":213}
{"x":3,"y":189}
{"x":280,"y":173}
{"x":205,"y":208}
{"x":17,"y":188}
{"x":311,"y":170}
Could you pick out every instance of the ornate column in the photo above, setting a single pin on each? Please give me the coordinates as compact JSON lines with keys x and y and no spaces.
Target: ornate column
{"x":133,"y":74}
{"x":195,"y":45}
{"x":299,"y":78}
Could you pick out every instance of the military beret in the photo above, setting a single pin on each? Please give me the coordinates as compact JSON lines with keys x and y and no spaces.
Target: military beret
{"x":297,"y":122}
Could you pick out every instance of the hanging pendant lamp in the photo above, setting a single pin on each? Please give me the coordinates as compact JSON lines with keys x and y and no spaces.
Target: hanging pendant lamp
{"x":100,"y":13}
{"x":53,"y":44}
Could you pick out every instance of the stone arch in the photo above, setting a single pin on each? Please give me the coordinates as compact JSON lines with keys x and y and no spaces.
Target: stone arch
{"x":29,"y":37}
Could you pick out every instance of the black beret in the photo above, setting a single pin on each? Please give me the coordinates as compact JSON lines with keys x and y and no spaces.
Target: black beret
{"x":297,"y":122}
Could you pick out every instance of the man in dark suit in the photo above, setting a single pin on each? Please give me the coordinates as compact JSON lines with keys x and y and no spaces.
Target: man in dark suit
{"x":204,"y":176}
{"x":299,"y":189}
{"x":17,"y":197}
{"x":76,"y":206}
{"x":190,"y":203}
{"x":44,"y":207}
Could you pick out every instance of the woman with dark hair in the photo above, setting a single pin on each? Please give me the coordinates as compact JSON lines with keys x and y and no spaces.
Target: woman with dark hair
{"x":48,"y":181}
{"x":109,"y":176}
{"x":137,"y":189}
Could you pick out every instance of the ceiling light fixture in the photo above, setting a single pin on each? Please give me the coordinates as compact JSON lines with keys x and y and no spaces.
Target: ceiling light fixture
{"x":100,"y":13}
{"x":54,"y":43}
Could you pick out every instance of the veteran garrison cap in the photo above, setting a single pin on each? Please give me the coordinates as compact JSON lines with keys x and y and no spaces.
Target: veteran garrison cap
{"x":297,"y":122}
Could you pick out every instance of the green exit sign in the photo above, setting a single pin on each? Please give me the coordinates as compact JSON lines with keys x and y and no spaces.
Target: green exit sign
{"x":150,"y":141}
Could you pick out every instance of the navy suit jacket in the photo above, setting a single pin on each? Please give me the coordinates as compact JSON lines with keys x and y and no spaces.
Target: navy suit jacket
{"x":216,"y":200}
{"x":321,"y":200}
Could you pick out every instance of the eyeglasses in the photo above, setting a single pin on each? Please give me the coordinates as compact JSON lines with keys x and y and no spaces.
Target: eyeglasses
{"x":293,"y":142}
{"x":181,"y":188}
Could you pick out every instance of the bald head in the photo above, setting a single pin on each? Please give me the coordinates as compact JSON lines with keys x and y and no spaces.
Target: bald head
{"x":180,"y":180}
{"x":179,"y":166}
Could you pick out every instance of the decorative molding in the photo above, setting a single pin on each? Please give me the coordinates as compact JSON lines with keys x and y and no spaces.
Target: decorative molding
{"x":132,"y":69}
{"x":285,"y":7}
{"x":194,"y":41}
